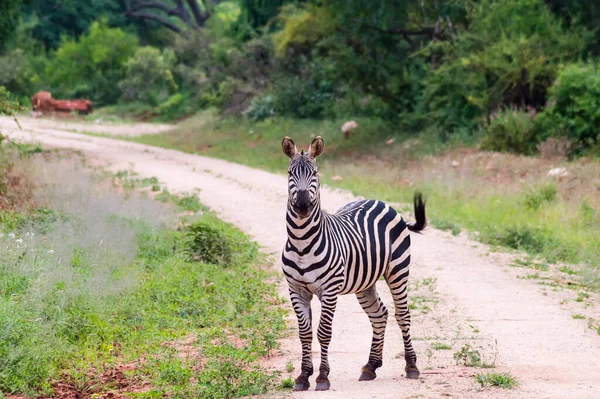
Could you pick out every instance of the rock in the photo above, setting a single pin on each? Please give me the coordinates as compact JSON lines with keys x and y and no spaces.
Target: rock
{"x":337,"y":178}
{"x":389,"y":142}
{"x":455,"y":163}
{"x":347,"y":128}
{"x":557,"y":172}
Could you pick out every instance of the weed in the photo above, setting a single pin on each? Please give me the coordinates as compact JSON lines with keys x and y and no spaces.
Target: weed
{"x":189,"y":202}
{"x":578,"y":316}
{"x":467,"y":356}
{"x":289,"y":367}
{"x":567,"y":270}
{"x":446,"y":225}
{"x":288,"y":383}
{"x":537,"y":196}
{"x":502,"y":380}
{"x":582,"y":296}
{"x":440,"y":346}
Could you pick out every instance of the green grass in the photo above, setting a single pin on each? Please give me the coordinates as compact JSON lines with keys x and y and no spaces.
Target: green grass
{"x":535,"y":218}
{"x":440,"y":346}
{"x":502,"y":380}
{"x":100,"y":282}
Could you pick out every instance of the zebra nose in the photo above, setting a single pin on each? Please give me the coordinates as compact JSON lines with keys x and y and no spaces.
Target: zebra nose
{"x":303,"y":200}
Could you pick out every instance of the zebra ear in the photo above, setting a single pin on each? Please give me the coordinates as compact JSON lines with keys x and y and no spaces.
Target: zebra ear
{"x":288,"y":147}
{"x":316,"y":147}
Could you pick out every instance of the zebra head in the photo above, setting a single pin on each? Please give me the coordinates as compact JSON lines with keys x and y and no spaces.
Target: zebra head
{"x":303,"y":180}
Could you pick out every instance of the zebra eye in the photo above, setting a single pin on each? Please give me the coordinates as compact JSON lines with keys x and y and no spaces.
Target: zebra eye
{"x":289,"y":172}
{"x":314,"y":173}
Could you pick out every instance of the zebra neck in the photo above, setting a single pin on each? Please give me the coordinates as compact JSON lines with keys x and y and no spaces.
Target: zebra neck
{"x":303,"y":232}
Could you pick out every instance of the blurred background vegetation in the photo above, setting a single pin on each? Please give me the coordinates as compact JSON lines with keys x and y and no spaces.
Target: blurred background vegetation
{"x":510,"y":74}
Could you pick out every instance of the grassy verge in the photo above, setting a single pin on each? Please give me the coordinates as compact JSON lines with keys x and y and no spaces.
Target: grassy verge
{"x":504,"y":200}
{"x":100,"y":293}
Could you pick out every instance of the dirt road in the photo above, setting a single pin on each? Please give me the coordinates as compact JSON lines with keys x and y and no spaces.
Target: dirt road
{"x":460,"y":294}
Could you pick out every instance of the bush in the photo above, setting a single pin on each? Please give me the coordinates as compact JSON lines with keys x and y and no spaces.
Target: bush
{"x":261,"y":108}
{"x":536,"y":196}
{"x":210,"y":241}
{"x":174,"y":107}
{"x":573,"y":109}
{"x":509,"y":56}
{"x":148,"y":76}
{"x":511,"y":130}
{"x":92,"y":66}
{"x":16,"y":73}
{"x":310,"y":95}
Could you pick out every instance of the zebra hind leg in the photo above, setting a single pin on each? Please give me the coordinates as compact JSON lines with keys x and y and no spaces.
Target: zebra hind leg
{"x":378,"y":313}
{"x":397,"y":280}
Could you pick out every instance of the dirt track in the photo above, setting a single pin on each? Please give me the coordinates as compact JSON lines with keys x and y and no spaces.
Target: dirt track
{"x":475,"y":299}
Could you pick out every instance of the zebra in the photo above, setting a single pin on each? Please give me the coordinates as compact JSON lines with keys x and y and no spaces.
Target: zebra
{"x":328,"y":255}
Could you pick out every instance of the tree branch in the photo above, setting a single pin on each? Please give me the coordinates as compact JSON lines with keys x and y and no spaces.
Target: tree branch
{"x":162,"y":20}
{"x":199,"y":16}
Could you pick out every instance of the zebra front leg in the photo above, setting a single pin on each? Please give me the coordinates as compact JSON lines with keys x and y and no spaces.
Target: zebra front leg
{"x":328,"y":304}
{"x":378,"y":314}
{"x":301,"y":303}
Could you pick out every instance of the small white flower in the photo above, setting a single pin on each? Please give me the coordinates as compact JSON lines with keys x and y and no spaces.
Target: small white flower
{"x":51,"y":251}
{"x":19,"y":240}
{"x":11,"y":235}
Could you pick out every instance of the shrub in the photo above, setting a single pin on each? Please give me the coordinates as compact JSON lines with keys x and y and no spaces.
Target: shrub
{"x":209,"y":241}
{"x":510,"y":130}
{"x":555,"y":147}
{"x":16,"y":73}
{"x":309,"y":95}
{"x":536,"y":196}
{"x":261,"y":108}
{"x":573,"y":109}
{"x":148,"y":75}
{"x":508,"y":56}
{"x":93,"y":65}
{"x":174,"y":107}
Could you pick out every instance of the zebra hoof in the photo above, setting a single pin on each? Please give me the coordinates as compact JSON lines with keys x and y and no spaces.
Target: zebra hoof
{"x":322,"y":385}
{"x":412,"y":373}
{"x":367,"y":375}
{"x":301,"y":386}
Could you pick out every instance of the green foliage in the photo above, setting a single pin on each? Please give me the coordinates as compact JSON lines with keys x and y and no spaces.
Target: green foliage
{"x":9,"y":20}
{"x":7,"y":106}
{"x":574,"y":106}
{"x":509,"y":56}
{"x":511,"y":130}
{"x":468,"y":356}
{"x":93,"y":65}
{"x":310,"y":97}
{"x":148,"y":76}
{"x":537,"y":196}
{"x":502,"y":380}
{"x":213,"y":243}
{"x":302,"y":28}
{"x":54,"y":20}
{"x":83,"y":291}
{"x":16,"y":72}
{"x":261,"y":108}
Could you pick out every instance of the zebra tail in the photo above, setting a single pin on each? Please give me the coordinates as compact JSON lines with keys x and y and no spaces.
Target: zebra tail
{"x":419,"y":214}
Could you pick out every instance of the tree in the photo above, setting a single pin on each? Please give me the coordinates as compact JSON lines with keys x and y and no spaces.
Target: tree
{"x":9,"y":20}
{"x":191,"y":14}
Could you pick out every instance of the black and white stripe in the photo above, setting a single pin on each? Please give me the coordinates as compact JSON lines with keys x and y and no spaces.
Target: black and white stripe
{"x":328,"y":255}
